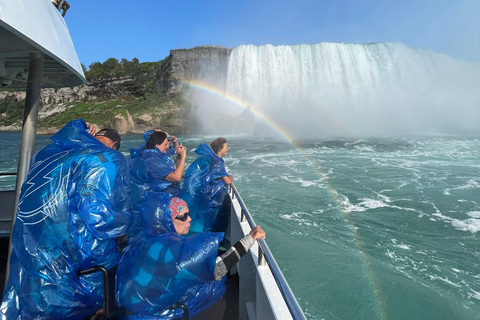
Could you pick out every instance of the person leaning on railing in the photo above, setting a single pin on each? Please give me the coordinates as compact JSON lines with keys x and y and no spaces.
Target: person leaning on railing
{"x":205,"y":187}
{"x":163,"y":268}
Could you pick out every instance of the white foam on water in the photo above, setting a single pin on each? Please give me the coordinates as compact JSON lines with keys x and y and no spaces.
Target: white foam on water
{"x":474,"y":295}
{"x":299,"y":217}
{"x":403,"y":246}
{"x":445,"y":280}
{"x":364,"y":148}
{"x":365,"y":205}
{"x":474,"y":214}
{"x":469,"y":225}
{"x":302,"y":182}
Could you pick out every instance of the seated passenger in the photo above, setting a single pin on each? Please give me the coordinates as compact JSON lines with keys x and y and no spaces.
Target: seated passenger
{"x":205,"y":187}
{"x":160,"y":267}
{"x":151,"y":167}
{"x":72,"y":207}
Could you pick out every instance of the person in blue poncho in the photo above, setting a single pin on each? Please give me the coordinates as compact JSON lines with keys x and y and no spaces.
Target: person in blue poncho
{"x":151,"y":167}
{"x":73,"y":205}
{"x":205,"y":187}
{"x":160,"y":267}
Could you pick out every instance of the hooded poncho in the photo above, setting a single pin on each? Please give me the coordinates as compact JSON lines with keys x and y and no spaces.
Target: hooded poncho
{"x":204,"y":190}
{"x":73,"y":204}
{"x":148,"y":168}
{"x":159,"y":267}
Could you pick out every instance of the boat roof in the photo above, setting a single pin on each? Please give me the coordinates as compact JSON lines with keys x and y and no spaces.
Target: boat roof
{"x":33,"y":26}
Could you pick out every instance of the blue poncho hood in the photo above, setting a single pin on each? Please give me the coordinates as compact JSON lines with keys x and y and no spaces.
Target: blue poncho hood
{"x":159,"y":267}
{"x":73,"y":204}
{"x":205,"y":191}
{"x":156,"y":213}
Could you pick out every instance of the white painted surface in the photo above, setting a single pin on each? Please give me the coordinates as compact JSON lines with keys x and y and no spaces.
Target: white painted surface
{"x":40,"y":24}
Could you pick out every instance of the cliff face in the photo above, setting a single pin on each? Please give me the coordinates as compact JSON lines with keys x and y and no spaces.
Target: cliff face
{"x":206,"y":63}
{"x":130,"y":104}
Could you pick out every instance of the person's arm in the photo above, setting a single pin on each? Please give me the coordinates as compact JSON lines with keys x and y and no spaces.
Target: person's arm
{"x":176,"y":175}
{"x":101,"y":196}
{"x":228,"y":180}
{"x":230,"y":258}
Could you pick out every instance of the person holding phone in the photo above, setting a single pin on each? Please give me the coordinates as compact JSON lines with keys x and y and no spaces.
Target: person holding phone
{"x":152,"y":168}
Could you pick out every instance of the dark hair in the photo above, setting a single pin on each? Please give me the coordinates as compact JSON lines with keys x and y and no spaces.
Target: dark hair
{"x":218,"y":144}
{"x":111,"y":134}
{"x":155,"y":138}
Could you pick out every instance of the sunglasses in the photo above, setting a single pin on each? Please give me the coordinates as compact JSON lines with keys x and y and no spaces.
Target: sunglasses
{"x":183,"y":217}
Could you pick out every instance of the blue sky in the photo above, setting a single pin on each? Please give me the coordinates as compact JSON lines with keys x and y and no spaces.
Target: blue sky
{"x":149,"y":29}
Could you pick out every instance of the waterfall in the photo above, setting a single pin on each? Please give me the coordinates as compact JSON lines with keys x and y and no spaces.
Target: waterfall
{"x":336,"y":89}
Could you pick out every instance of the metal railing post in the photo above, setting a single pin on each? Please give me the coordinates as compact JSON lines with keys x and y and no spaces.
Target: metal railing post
{"x":261,"y":258}
{"x":29,"y":131}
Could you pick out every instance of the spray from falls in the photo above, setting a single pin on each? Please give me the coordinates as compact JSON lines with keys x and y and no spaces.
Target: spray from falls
{"x":338,"y":90}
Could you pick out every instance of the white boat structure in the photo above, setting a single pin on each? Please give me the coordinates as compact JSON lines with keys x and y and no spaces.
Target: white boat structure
{"x":36,"y":52}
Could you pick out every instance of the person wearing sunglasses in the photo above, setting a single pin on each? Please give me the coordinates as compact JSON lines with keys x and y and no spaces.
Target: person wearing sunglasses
{"x":163,"y":266}
{"x":73,"y":205}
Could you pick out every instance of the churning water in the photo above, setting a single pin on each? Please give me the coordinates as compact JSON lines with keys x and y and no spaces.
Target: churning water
{"x":362,"y":229}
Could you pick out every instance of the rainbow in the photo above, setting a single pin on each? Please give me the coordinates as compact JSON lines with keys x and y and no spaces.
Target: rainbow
{"x":207,"y":87}
{"x":204,"y":86}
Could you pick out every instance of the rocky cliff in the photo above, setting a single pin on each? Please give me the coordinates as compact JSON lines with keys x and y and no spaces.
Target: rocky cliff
{"x":130,"y":104}
{"x":207,"y":63}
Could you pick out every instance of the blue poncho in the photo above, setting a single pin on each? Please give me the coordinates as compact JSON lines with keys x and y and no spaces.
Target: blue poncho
{"x":72,"y":206}
{"x":204,"y":190}
{"x":159,"y":267}
{"x":148,"y":168}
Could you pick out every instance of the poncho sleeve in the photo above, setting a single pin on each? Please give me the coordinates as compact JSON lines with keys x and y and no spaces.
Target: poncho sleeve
{"x":102,"y":194}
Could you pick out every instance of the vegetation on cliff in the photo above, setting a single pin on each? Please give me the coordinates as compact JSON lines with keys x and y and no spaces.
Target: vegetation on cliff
{"x":123,"y":89}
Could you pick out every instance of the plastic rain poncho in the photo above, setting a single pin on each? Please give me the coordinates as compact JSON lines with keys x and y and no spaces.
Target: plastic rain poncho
{"x":204,"y":190}
{"x":73,"y":204}
{"x":148,"y":168}
{"x":159,"y":267}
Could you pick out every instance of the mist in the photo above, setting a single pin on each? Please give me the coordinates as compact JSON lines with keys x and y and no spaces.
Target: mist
{"x":340,"y":90}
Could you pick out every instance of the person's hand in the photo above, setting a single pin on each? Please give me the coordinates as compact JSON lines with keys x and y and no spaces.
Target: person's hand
{"x":257,"y":233}
{"x":174,"y":139}
{"x":182,"y":151}
{"x":92,"y":129}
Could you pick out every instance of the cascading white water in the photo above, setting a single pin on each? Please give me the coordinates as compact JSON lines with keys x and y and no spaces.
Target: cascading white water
{"x":335,"y":89}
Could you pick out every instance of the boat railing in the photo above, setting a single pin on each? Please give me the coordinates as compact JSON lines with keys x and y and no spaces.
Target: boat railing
{"x":266,"y":258}
{"x":8,"y":173}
